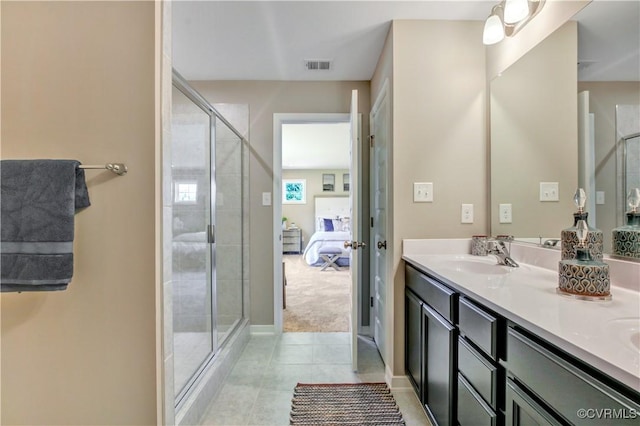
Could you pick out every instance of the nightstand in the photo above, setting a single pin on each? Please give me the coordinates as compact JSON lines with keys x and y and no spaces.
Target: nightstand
{"x":291,"y":240}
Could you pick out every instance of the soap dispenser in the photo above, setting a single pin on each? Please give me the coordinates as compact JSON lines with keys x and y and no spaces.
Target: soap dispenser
{"x":569,"y":239}
{"x":583,"y":277}
{"x":626,"y":239}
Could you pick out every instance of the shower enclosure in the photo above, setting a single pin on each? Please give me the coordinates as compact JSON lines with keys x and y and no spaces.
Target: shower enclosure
{"x":207,"y":235}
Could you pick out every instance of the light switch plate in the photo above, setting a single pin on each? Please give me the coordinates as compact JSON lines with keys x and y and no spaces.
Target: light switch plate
{"x":423,"y":192}
{"x":549,"y":191}
{"x":466,"y":213}
{"x":266,"y":198}
{"x":505,"y":213}
{"x":599,"y":197}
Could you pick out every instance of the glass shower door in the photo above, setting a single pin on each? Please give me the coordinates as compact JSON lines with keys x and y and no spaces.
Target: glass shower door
{"x":229,"y":232}
{"x":192,"y":253}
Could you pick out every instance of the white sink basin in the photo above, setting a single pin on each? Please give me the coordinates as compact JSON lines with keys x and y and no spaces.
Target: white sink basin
{"x":627,"y":330}
{"x":484,"y":265}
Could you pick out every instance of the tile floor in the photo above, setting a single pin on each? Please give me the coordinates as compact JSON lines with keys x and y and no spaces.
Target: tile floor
{"x":259,"y":388}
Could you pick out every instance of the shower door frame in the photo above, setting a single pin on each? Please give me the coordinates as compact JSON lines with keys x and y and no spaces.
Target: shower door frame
{"x":183,"y":86}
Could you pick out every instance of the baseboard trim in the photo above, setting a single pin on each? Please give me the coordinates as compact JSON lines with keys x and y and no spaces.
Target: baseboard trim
{"x":396,"y":382}
{"x":262,"y":329}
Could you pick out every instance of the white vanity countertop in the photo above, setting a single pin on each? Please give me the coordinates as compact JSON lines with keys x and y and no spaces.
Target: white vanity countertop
{"x":605,"y":334}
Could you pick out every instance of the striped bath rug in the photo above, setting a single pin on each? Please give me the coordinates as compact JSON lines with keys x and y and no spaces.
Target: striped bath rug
{"x":344,"y":404}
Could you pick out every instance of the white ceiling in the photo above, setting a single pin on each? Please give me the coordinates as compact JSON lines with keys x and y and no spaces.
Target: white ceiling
{"x":320,"y":146}
{"x":269,"y":40}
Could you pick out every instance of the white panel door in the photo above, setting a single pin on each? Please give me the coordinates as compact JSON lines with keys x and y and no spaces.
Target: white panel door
{"x":379,"y":124}
{"x":354,"y":242}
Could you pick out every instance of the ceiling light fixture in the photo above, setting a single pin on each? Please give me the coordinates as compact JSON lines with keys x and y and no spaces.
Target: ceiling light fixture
{"x":508,"y":17}
{"x":493,"y":27}
{"x":515,"y":11}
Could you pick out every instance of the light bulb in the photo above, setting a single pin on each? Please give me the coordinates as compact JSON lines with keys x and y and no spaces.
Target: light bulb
{"x":493,"y":30}
{"x":515,"y":11}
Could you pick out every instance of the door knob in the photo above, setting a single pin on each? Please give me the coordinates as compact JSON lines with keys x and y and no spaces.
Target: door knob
{"x":382,"y":245}
{"x":354,"y":245}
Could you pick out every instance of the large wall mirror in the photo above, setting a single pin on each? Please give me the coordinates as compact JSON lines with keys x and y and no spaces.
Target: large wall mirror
{"x":538,"y":138}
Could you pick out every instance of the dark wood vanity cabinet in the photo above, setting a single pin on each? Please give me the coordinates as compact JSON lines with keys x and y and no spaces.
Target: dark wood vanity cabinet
{"x":480,"y":345}
{"x":431,"y":345}
{"x":555,"y":388}
{"x":414,"y":357}
{"x":471,"y":366}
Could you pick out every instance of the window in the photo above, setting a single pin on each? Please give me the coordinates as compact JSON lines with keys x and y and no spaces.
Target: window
{"x":186,"y":192}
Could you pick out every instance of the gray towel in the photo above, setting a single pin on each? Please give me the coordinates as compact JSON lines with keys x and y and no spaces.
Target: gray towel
{"x":38,"y":199}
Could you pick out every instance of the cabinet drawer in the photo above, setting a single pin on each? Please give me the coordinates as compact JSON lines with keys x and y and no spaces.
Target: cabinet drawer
{"x":479,"y":326}
{"x":472,"y":410}
{"x":440,"y":297}
{"x":523,"y":410}
{"x":479,"y":371}
{"x":562,"y":385}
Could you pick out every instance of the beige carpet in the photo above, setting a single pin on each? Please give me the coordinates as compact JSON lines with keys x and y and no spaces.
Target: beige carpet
{"x":317,"y":301}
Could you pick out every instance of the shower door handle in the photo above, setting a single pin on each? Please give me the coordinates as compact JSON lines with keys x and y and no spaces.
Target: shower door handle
{"x":211,"y":234}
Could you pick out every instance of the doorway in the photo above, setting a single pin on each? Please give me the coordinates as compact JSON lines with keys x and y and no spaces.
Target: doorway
{"x":313,"y":207}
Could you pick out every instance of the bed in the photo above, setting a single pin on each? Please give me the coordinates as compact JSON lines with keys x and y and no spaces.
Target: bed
{"x":190,"y":251}
{"x":332,"y":230}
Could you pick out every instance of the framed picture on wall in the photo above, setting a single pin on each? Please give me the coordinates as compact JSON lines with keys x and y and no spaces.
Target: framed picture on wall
{"x":345,"y":182}
{"x":294,"y":191}
{"x":328,"y":182}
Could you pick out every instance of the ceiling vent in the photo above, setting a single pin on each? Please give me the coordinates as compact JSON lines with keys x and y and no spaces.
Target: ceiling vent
{"x":317,"y":64}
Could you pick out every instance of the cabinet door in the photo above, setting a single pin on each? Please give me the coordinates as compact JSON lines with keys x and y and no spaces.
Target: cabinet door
{"x":413,"y":341}
{"x":440,"y":375}
{"x":522,"y":410}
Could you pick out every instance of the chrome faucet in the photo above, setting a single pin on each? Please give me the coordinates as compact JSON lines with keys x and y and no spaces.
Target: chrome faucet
{"x":499,"y":249}
{"x":551,"y":242}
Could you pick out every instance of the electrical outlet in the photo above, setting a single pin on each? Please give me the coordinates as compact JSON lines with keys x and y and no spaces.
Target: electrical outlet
{"x":423,"y":192}
{"x":505,"y":213}
{"x":467,"y":213}
{"x":549,"y":191}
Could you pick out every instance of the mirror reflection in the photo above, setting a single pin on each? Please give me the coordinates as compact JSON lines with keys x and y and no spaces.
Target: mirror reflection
{"x":556,"y":126}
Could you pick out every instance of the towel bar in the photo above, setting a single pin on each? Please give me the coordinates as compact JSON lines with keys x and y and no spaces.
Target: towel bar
{"x":117,"y":168}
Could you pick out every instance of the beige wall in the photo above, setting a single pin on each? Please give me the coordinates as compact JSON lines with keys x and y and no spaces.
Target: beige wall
{"x":303,"y":215}
{"x":266,"y":98}
{"x":603,"y":98}
{"x":534,"y":137}
{"x":78,"y":82}
{"x":438,"y":136}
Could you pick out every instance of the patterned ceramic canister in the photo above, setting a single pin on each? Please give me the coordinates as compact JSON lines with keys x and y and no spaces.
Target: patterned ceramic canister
{"x":569,"y":240}
{"x":586,"y":279}
{"x":626,"y":239}
{"x":479,"y":245}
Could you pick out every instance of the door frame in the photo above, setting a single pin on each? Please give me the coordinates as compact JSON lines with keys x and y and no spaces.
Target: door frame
{"x":383,"y":96}
{"x":278,"y":120}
